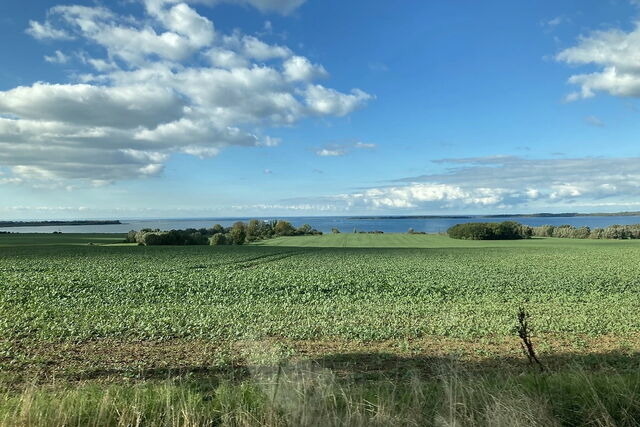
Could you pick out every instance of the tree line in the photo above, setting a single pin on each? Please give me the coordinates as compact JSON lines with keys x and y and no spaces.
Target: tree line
{"x":569,"y":231}
{"x":511,"y":230}
{"x":238,"y":234}
{"x":507,"y":230}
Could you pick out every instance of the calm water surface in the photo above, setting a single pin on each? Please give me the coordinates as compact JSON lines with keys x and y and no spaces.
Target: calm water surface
{"x":325,"y":224}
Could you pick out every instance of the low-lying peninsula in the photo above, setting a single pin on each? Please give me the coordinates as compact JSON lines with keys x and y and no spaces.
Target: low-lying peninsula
{"x":4,"y":224}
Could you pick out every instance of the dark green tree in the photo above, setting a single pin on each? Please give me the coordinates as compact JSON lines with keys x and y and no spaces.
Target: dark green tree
{"x":218,"y":239}
{"x":238,"y":233}
{"x":284,"y":228}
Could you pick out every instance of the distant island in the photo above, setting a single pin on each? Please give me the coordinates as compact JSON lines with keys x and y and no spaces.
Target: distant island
{"x":4,"y":224}
{"x":533,"y":215}
{"x":566,"y":214}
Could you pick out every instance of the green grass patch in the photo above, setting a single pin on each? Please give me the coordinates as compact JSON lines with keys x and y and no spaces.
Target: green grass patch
{"x":50,"y":239}
{"x":430,"y":241}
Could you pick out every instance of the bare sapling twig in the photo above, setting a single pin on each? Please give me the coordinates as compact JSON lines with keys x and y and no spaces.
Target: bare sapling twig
{"x":275,"y":391}
{"x":524,"y":332}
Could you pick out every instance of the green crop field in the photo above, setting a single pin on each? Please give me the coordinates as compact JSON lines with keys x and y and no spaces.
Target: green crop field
{"x":429,"y":241}
{"x":41,"y":239}
{"x":289,"y":288}
{"x":86,"y":306}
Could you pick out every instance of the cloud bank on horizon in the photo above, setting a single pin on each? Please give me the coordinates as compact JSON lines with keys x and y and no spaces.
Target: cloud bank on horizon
{"x":507,"y":182}
{"x":168,"y":82}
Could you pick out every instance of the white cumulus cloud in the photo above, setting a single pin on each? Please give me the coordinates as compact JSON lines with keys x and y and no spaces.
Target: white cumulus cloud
{"x":616,"y":55}
{"x":280,"y":6}
{"x":328,"y":152}
{"x":167,"y":82}
{"x":57,"y":58}
{"x":342,"y":149}
{"x":300,"y":68}
{"x":46,"y":31}
{"x":325,"y":101}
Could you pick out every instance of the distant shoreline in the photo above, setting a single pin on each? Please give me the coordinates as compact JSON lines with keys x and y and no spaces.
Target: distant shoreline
{"x":6,"y":224}
{"x":63,"y":223}
{"x":534,"y":215}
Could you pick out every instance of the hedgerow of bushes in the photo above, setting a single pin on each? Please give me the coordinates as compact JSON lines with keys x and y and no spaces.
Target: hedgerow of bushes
{"x":569,"y":231}
{"x":511,"y":230}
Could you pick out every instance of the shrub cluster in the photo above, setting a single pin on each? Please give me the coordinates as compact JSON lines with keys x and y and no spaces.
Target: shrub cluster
{"x":149,"y":237}
{"x":238,"y":234}
{"x":412,"y":231}
{"x":507,"y":230}
{"x":569,"y":231}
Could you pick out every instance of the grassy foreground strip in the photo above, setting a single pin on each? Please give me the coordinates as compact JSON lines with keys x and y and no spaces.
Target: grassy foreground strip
{"x":342,"y":383}
{"x":304,"y":396}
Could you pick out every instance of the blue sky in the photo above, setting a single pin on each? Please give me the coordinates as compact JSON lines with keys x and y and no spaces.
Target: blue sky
{"x":166,"y":108}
